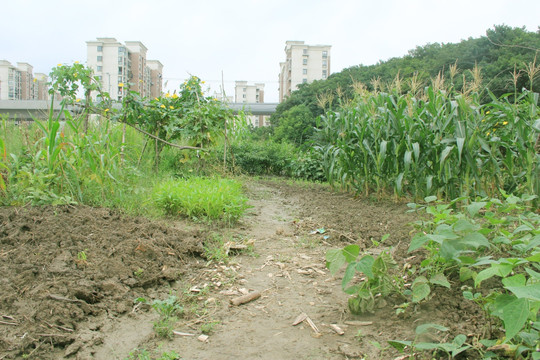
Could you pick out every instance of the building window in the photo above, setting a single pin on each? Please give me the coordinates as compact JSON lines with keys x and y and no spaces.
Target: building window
{"x":305,"y":51}
{"x":304,"y":71}
{"x":100,"y":58}
{"x":325,"y":54}
{"x":304,"y":81}
{"x":304,"y":61}
{"x":324,"y":63}
{"x":324,"y":74}
{"x":100,"y":48}
{"x":100,"y":68}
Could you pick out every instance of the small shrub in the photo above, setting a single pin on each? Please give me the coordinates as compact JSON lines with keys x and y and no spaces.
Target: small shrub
{"x":308,"y":166}
{"x":263,"y":157}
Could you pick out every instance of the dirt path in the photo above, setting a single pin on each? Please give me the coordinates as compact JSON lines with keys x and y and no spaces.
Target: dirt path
{"x":287,"y":265}
{"x":92,"y":314}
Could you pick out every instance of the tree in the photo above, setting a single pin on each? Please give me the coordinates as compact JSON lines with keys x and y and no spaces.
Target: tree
{"x":296,"y":125}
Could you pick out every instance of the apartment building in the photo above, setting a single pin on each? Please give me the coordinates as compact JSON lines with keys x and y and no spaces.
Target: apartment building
{"x":19,"y":83}
{"x":303,"y":64}
{"x":156,"y":77}
{"x":244,"y":93}
{"x":122,"y":67}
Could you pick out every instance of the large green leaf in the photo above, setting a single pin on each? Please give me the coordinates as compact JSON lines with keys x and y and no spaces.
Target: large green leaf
{"x":420,"y":289}
{"x":365,"y":265}
{"x":334,"y":260}
{"x":501,"y":270}
{"x":422,"y":329}
{"x":418,"y":241}
{"x":514,"y":316}
{"x":400,"y":345}
{"x":440,"y":279}
{"x":475,"y":239}
{"x":351,"y":252}
{"x":349,"y":274}
{"x":531,"y":291}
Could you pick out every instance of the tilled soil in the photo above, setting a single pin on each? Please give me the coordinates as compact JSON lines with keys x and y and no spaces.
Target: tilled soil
{"x":70,"y":276}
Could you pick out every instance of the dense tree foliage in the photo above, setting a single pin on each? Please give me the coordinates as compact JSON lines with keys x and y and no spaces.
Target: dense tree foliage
{"x":504,"y":57}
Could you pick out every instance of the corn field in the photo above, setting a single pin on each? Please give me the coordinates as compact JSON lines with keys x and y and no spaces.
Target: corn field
{"x":438,"y":143}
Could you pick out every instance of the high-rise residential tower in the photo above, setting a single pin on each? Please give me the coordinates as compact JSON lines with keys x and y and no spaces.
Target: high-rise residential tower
{"x":303,"y":64}
{"x":122,"y":67}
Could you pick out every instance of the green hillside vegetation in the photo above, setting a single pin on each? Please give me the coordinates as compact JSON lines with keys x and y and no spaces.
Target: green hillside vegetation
{"x":501,"y":55}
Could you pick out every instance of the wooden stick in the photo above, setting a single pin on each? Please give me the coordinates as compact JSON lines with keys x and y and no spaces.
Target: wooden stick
{"x":59,"y":327}
{"x":337,"y":329}
{"x":182,"y":333}
{"x":358,"y":323}
{"x":312,"y":324}
{"x":7,"y":323}
{"x":246,"y":298}
{"x":299,"y":319}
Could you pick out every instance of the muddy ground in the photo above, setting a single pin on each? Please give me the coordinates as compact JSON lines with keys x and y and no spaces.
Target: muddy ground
{"x":70,"y":277}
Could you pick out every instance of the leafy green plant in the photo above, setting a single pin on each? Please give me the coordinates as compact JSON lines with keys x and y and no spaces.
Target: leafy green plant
{"x":188,"y":116}
{"x":261,"y":157}
{"x":168,"y":311}
{"x":202,"y":198}
{"x":483,"y":240}
{"x":378,"y":281}
{"x":208,"y":327}
{"x":452,"y":349}
{"x":143,"y":354}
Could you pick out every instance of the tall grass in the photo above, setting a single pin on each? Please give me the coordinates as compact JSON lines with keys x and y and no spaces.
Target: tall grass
{"x":437,"y":143}
{"x":56,"y":161}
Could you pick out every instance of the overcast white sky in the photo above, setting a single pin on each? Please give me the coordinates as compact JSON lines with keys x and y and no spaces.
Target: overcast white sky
{"x":245,"y":38}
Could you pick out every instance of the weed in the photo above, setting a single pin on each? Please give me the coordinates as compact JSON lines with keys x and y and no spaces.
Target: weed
{"x":168,"y":311}
{"x":208,"y":327}
{"x":378,"y":282}
{"x":309,"y":242}
{"x":143,"y":354}
{"x":138,"y":272}
{"x":215,"y":249}
{"x":457,"y":346}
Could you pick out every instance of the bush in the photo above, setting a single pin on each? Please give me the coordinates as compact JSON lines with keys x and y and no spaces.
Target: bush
{"x":263,"y":157}
{"x":308,"y":166}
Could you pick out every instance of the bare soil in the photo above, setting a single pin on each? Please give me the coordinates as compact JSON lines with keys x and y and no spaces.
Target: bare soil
{"x":70,"y":276}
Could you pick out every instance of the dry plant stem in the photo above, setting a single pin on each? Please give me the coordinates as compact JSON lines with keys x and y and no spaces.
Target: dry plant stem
{"x":337,"y":329}
{"x":299,"y":319}
{"x":61,"y":298}
{"x":178,"y":333}
{"x":312,"y":325}
{"x":246,"y":298}
{"x":7,"y":323}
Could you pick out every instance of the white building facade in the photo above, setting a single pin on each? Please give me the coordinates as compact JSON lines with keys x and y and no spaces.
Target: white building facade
{"x":303,"y":64}
{"x":19,"y":83}
{"x":244,"y":93}
{"x":122,"y":67}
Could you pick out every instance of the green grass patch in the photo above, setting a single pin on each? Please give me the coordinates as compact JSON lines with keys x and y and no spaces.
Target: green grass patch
{"x":202,"y":198}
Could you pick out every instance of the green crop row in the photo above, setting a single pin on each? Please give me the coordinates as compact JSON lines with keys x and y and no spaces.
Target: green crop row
{"x":443,"y":143}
